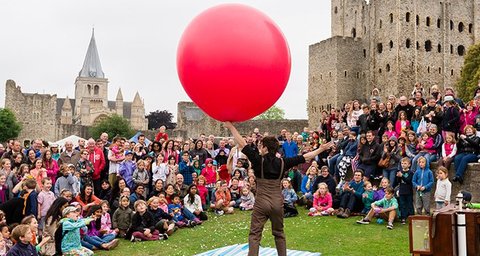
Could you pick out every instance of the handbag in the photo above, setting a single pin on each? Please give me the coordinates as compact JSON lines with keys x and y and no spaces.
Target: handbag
{"x":384,"y":162}
{"x":422,"y":127}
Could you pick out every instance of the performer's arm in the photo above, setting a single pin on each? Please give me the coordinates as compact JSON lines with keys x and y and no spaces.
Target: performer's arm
{"x":310,"y":155}
{"x":236,"y":135}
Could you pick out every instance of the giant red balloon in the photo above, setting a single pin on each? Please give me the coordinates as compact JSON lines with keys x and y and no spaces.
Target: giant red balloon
{"x":233,"y":61}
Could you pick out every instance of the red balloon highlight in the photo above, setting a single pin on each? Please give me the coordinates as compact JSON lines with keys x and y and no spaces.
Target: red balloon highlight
{"x":233,"y":62}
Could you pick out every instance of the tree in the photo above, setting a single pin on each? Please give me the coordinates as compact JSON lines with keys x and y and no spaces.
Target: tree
{"x":158,"y":118}
{"x":9,"y":127}
{"x":470,"y":74}
{"x":113,"y":125}
{"x":273,"y":113}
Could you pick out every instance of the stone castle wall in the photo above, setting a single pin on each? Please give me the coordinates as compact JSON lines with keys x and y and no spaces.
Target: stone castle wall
{"x":400,"y":43}
{"x":33,"y":111}
{"x":192,"y":121}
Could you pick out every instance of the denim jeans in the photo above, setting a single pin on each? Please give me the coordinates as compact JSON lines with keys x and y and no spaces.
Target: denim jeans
{"x":461,"y":160}
{"x":390,"y":174}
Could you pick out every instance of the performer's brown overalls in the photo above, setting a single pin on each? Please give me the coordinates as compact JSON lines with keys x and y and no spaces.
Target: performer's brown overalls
{"x":268,"y":205}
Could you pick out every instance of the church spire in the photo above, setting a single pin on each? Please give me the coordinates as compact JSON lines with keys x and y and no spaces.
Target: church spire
{"x":91,"y":65}
{"x":137,"y":101}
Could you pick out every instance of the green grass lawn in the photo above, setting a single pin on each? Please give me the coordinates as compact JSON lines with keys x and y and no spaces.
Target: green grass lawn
{"x":327,"y":235}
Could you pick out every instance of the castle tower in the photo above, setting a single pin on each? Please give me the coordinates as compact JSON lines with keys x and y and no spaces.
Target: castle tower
{"x":348,"y":18}
{"x":119,"y":103}
{"x":91,"y":86}
{"x":137,"y":119}
{"x":66,"y":113}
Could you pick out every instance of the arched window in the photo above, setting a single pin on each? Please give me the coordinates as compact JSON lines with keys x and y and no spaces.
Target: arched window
{"x":89,"y":88}
{"x":451,"y":25}
{"x":451,"y":49}
{"x":418,"y":20}
{"x":470,"y":28}
{"x":388,"y":68}
{"x":380,"y":70}
{"x":380,"y":47}
{"x":418,"y":46}
{"x":427,"y":21}
{"x":439,"y":48}
{"x":461,"y":50}
{"x":460,"y":27}
{"x":451,"y":72}
{"x":354,"y":32}
{"x":364,"y":53}
{"x":345,"y":72}
{"x":96,"y":89}
{"x":428,"y":69}
{"x":407,"y":17}
{"x":335,"y":10}
{"x":439,"y":23}
{"x":391,"y":44}
{"x":391,"y":17}
{"x":380,"y":23}
{"x":407,"y":43}
{"x":439,"y":70}
{"x":428,"y":45}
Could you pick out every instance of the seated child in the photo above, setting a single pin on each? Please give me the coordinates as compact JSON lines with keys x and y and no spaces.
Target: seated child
{"x":163,"y":220}
{"x":5,"y":230}
{"x":143,"y":224}
{"x":96,"y":238}
{"x":322,"y":201}
{"x":175,"y":209}
{"x":70,"y":236}
{"x":386,"y":208}
{"x":289,"y":199}
{"x":247,"y":200}
{"x":122,"y":217}
{"x":367,"y":197}
{"x":22,"y":234}
{"x":223,"y":200}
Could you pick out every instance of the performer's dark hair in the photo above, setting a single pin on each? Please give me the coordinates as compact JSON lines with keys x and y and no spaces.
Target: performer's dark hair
{"x":271,"y":143}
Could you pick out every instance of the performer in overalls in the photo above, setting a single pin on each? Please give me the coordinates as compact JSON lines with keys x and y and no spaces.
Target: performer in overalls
{"x":269,"y":170}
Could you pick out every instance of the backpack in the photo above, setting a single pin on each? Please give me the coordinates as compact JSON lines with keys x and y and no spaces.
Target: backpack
{"x":58,"y":236}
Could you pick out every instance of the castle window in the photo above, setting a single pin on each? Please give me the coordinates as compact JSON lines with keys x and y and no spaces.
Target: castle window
{"x":428,"y":21}
{"x":335,"y":10}
{"x":388,"y":68}
{"x":89,"y":88}
{"x":345,"y":73}
{"x":96,"y":89}
{"x":380,"y":70}
{"x":461,"y":50}
{"x":321,"y":77}
{"x":391,"y":44}
{"x":418,"y":20}
{"x":451,"y":25}
{"x":439,"y":70}
{"x":418,"y":46}
{"x":380,"y":23}
{"x":428,"y":69}
{"x":407,"y":17}
{"x":451,"y":72}
{"x":439,"y":23}
{"x":354,"y":32}
{"x":439,"y":48}
{"x":380,"y":47}
{"x":364,"y":53}
{"x":358,"y":74}
{"x":428,"y":46}
{"x":407,"y":43}
{"x":330,"y":74}
{"x":451,"y":49}
{"x":460,"y":27}
{"x":470,"y":28}
{"x":391,"y":17}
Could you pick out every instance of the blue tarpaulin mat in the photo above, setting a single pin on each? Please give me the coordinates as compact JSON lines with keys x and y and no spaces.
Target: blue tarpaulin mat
{"x":242,"y":249}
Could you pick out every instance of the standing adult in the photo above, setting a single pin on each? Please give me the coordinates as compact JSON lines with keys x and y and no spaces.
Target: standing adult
{"x":369,"y":156}
{"x":269,"y":170}
{"x":290,"y":148}
{"x":96,"y":157}
{"x":69,"y":156}
{"x":404,"y":106}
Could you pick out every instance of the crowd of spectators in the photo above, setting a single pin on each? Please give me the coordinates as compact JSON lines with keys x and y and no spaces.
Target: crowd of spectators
{"x":84,"y":196}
